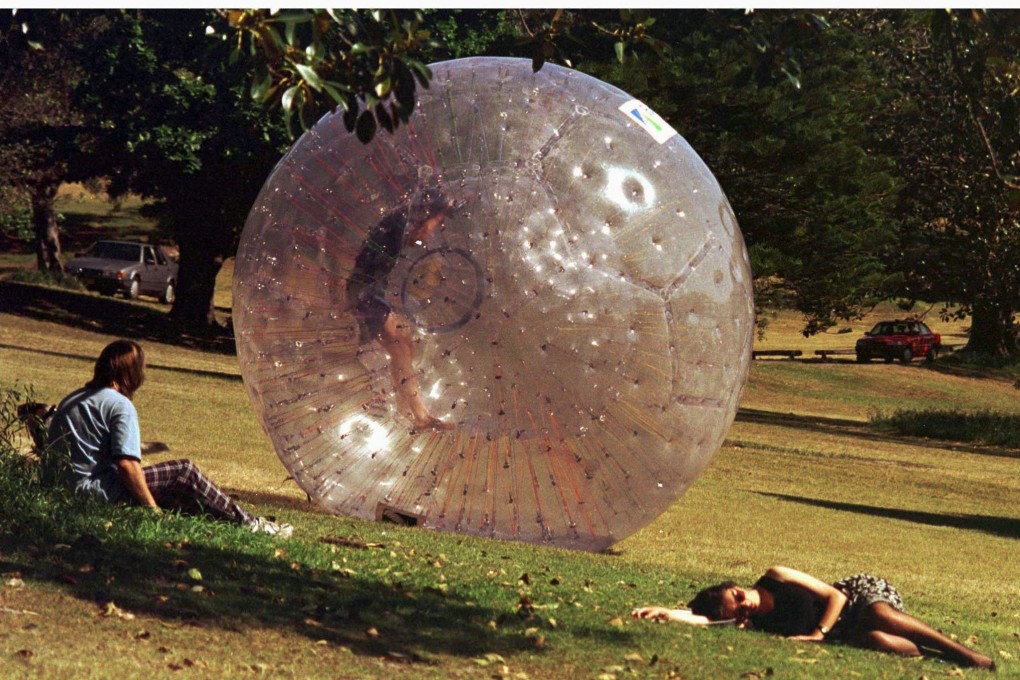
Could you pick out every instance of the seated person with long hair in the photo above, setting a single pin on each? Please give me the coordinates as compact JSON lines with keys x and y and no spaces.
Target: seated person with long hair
{"x":861,"y":610}
{"x":98,"y":427}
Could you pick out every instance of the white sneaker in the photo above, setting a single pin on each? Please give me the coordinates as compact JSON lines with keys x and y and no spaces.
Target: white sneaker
{"x":266,"y":526}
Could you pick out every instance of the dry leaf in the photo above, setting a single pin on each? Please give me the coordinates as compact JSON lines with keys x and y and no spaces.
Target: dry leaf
{"x":113,"y":610}
{"x":372,"y":632}
{"x":634,"y":657}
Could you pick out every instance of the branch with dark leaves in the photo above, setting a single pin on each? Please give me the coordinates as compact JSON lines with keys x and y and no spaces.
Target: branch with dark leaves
{"x":308,"y":62}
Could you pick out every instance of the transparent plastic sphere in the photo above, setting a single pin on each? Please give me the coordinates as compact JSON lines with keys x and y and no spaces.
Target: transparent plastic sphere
{"x":525,"y":315}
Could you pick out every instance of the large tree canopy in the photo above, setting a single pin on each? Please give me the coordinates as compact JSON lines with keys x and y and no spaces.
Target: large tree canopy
{"x":45,"y":138}
{"x":868,"y":154}
{"x":960,"y":135}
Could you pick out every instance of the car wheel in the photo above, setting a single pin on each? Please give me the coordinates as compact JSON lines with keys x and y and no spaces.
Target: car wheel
{"x":906,"y":356}
{"x":133,"y":290}
{"x":169,"y":294}
{"x":932,"y":355}
{"x":863,"y":358}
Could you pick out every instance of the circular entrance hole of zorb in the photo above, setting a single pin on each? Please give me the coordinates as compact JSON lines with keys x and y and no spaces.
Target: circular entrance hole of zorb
{"x":525,"y":315}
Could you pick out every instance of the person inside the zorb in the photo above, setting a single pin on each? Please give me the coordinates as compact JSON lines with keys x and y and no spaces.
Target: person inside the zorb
{"x":409,"y":226}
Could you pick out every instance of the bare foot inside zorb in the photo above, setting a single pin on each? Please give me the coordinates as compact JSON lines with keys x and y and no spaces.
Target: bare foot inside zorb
{"x":434,"y":424}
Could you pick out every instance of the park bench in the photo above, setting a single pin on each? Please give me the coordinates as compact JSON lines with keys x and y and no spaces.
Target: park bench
{"x":826,"y":353}
{"x":788,"y":353}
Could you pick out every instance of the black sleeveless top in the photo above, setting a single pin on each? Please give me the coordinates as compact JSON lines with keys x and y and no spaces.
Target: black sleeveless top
{"x":796,"y":611}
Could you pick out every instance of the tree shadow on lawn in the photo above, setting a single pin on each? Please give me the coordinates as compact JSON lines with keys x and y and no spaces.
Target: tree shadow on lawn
{"x":105,"y":315}
{"x":860,"y":430}
{"x":1007,"y":527}
{"x":241,"y":591}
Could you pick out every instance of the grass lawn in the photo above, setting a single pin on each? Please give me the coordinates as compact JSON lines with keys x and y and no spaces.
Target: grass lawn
{"x":803,"y":480}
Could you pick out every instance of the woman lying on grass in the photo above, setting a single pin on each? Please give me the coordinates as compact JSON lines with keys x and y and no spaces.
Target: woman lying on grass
{"x":862,"y":610}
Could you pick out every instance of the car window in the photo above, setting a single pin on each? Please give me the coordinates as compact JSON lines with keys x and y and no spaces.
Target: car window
{"x":924,"y":330}
{"x":160,"y":257}
{"x":149,"y":257}
{"x":111,"y":250}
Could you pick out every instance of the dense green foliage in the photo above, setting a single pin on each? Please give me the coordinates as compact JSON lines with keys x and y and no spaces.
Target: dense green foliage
{"x":960,"y":132}
{"x":868,"y":154}
{"x":984,"y":427}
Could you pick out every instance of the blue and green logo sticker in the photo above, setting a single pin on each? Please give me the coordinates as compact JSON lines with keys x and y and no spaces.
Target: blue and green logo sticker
{"x":652,"y":122}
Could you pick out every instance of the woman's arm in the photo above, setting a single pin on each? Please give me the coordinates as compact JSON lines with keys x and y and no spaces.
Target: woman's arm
{"x":833,"y":598}
{"x":663,"y":614}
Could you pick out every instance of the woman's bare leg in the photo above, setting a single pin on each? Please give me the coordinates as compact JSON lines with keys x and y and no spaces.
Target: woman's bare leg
{"x":882,"y":617}
{"x":396,"y":340}
{"x":885,"y":642}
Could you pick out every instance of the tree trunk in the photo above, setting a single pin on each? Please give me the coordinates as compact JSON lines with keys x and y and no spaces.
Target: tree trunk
{"x":991,"y":331}
{"x":196,"y":283}
{"x":44,"y":222}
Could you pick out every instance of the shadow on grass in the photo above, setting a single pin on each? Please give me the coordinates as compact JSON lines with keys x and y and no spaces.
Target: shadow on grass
{"x":861,"y":430}
{"x":1007,"y":527}
{"x":151,"y":365}
{"x":109,"y":316}
{"x":240,"y":591}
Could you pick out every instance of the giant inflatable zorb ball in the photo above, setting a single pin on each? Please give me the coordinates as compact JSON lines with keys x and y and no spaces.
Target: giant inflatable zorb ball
{"x":525,"y":315}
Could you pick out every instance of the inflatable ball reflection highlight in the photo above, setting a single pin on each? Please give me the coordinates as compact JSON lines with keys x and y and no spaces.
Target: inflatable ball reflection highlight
{"x":526,"y":315}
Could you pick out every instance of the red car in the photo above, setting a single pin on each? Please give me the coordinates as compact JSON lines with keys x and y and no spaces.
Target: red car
{"x":903,"y":340}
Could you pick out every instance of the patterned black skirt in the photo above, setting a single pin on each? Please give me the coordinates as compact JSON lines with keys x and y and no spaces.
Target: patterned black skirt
{"x":862,"y":590}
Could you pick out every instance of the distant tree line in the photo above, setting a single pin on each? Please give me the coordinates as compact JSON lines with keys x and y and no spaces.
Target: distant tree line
{"x":869,"y":154}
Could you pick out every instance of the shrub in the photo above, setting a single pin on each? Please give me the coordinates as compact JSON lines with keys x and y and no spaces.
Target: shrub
{"x":982,"y":427}
{"x":47,"y":278}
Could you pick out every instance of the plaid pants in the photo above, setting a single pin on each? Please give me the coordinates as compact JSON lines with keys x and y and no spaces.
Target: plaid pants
{"x":180,"y":484}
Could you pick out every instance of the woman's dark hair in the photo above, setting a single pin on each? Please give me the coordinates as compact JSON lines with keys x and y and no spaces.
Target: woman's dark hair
{"x":120,"y":365}
{"x":709,"y":601}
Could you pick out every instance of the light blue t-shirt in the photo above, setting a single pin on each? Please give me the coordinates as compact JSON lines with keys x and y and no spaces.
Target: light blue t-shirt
{"x":97,"y":427}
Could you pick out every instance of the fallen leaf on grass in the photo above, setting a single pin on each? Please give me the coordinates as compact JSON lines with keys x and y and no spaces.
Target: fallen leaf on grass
{"x":1004,"y":654}
{"x":634,"y":657}
{"x":350,"y":543}
{"x":372,"y":632}
{"x":29,"y":612}
{"x":113,"y":610}
{"x":615,"y":621}
{"x":194,"y":574}
{"x":489,"y":658}
{"x":14,"y":583}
